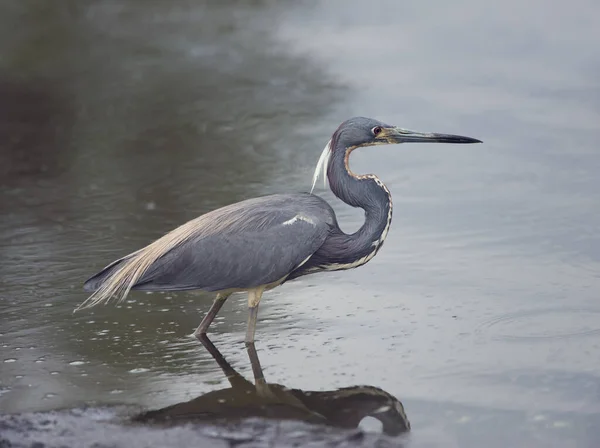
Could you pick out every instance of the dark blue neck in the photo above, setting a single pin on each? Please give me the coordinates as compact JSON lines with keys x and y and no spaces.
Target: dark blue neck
{"x":366,"y":192}
{"x":340,"y":250}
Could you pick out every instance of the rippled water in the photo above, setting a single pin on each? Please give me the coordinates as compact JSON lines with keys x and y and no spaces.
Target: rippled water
{"x":481,"y":314}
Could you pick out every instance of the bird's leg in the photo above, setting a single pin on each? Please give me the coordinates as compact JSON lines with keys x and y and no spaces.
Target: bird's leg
{"x":212,"y":313}
{"x":255,"y":363}
{"x":254,"y":296}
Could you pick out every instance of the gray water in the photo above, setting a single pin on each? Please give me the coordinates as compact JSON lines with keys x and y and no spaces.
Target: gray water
{"x":481,"y":314}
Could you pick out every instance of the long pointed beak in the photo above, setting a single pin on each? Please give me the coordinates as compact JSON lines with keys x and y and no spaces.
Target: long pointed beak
{"x":399,"y":135}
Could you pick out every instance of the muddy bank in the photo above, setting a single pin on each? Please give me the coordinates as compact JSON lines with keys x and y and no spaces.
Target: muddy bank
{"x":110,"y":427}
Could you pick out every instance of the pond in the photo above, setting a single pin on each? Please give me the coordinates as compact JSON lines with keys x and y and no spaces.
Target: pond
{"x":478,"y":323}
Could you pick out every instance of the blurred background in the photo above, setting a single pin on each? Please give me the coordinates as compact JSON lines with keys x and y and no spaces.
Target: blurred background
{"x":120,"y":120}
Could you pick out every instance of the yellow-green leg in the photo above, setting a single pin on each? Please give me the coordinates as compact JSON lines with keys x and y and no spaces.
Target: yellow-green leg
{"x":254,"y":296}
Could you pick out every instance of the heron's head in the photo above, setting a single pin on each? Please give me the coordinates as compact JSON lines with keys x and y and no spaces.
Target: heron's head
{"x":358,"y":132}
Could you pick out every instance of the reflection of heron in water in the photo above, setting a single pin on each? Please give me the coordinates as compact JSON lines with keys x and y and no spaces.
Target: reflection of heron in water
{"x":260,"y":243}
{"x":341,"y":408}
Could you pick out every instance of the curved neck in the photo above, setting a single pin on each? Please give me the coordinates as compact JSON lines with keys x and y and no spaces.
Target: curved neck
{"x":340,"y":250}
{"x":366,"y":192}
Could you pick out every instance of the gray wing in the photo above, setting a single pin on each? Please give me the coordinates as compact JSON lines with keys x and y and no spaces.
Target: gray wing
{"x":244,"y":245}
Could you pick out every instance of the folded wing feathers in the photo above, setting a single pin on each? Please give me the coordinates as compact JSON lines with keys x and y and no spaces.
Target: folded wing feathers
{"x":240,"y":216}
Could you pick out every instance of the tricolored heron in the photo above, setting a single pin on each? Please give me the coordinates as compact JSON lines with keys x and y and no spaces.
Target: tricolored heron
{"x":258,"y":244}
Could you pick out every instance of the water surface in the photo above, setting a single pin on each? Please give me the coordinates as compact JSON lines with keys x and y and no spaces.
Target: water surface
{"x":481,"y":312}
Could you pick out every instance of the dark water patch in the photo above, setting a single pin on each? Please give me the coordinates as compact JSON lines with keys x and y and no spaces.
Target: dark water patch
{"x":119,"y":122}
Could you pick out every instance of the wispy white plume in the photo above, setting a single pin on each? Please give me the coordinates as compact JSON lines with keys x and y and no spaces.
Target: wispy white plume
{"x":322,"y":166}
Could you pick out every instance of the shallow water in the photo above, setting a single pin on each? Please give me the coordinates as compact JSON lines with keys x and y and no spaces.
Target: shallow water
{"x":481,"y":313}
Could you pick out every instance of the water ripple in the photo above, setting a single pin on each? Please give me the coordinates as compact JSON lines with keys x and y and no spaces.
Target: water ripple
{"x":542,"y":324}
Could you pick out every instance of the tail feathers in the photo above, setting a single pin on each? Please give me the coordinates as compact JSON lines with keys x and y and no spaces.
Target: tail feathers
{"x":95,"y":282}
{"x":114,"y":281}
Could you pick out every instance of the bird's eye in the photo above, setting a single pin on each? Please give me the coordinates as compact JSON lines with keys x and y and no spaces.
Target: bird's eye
{"x":376,"y":130}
